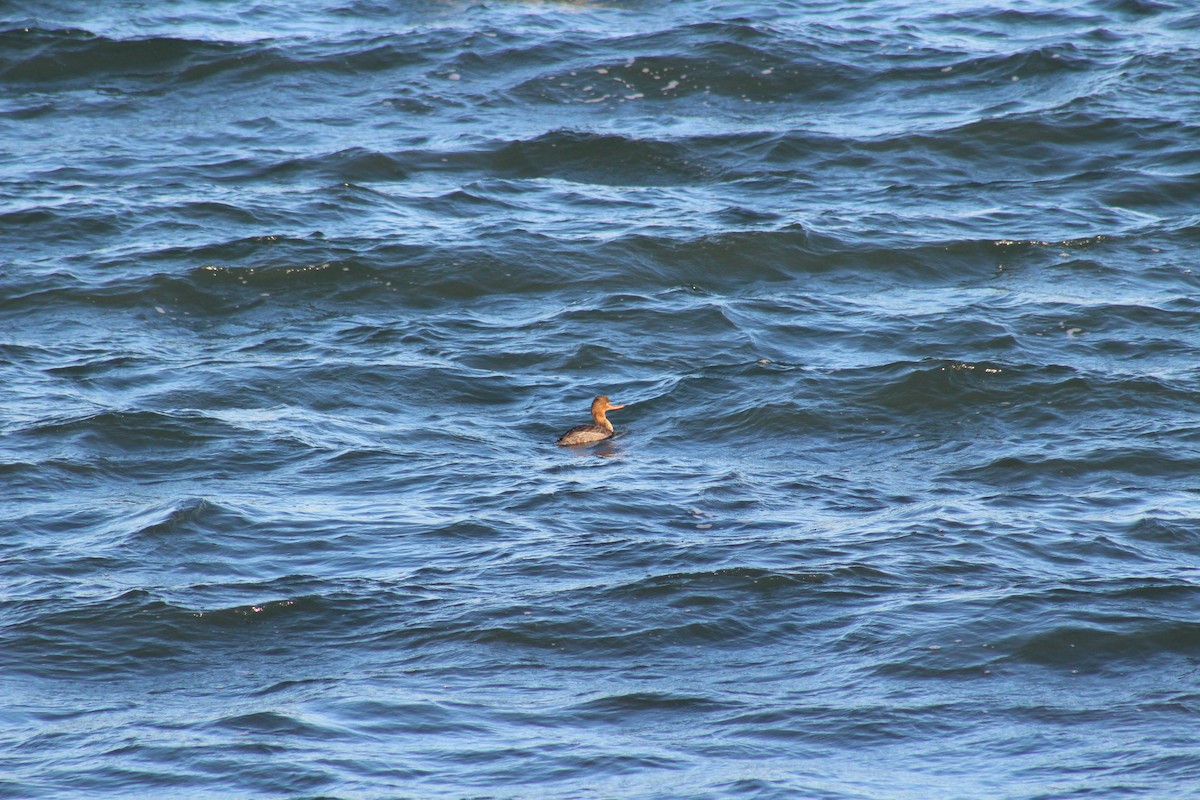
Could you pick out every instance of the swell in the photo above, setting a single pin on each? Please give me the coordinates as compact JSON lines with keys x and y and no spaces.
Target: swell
{"x":134,"y":633}
{"x":709,"y":246}
{"x":1067,"y":137}
{"x":244,"y":274}
{"x":73,"y":58}
{"x":1096,"y":626}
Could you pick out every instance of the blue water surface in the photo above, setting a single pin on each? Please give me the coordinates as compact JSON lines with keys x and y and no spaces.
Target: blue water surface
{"x":901,"y":301}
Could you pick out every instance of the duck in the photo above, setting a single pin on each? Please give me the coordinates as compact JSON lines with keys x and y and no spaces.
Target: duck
{"x":598,"y":431}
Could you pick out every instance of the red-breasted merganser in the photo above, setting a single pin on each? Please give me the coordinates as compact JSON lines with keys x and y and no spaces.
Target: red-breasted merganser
{"x":598,"y":431}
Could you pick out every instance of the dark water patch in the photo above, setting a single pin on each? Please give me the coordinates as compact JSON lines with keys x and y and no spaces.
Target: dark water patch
{"x":33,"y":110}
{"x":122,"y":633}
{"x":769,"y":419}
{"x":795,"y":251}
{"x":351,"y":165}
{"x":705,"y":60}
{"x":242,"y":275}
{"x":598,"y":159}
{"x":118,"y":432}
{"x":1011,"y":17}
{"x":1158,"y":192}
{"x":134,"y":634}
{"x":215,"y":213}
{"x":1053,"y":388}
{"x":576,"y":637}
{"x":718,"y":583}
{"x":992,"y":69}
{"x":382,"y":717}
{"x":820,"y":725}
{"x":953,"y":384}
{"x":189,"y":518}
{"x":276,"y":724}
{"x":75,"y":58}
{"x":67,"y":223}
{"x":1102,"y":466}
{"x":1088,"y":629}
{"x":1136,"y":8}
{"x":1107,"y":649}
{"x":617,"y":709}
{"x":1182,"y":533}
{"x":1045,"y":139}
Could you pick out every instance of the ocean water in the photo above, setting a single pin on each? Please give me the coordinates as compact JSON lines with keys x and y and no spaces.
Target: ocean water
{"x":902,"y":300}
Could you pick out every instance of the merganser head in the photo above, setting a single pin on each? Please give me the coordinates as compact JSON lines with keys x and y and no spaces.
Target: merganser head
{"x":601,"y":405}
